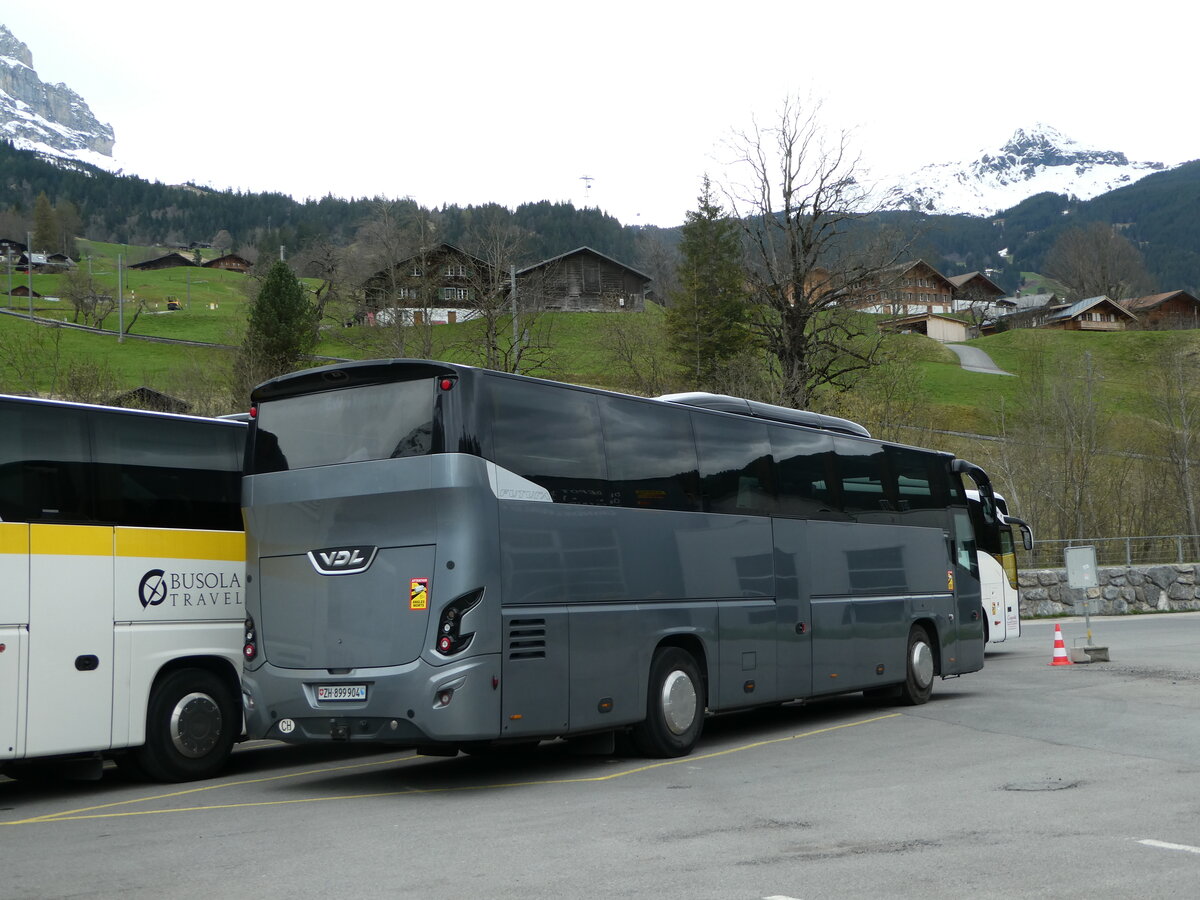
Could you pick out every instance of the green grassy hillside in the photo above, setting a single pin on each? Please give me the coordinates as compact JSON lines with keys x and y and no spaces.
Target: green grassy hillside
{"x":214,"y":312}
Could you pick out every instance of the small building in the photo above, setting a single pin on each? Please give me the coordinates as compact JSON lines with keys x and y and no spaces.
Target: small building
{"x":946,"y":329}
{"x":1093,"y":314}
{"x":1172,"y":310}
{"x":170,"y":261}
{"x":583,"y":280}
{"x":230,"y":262}
{"x":22,"y":290}
{"x":147,"y":398}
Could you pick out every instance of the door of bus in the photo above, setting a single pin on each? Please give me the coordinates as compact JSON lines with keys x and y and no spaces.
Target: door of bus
{"x":70,"y":639}
{"x":967,"y":652}
{"x":14,"y":620}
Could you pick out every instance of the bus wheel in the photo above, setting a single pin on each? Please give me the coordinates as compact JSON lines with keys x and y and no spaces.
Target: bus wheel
{"x":191,"y":725}
{"x":918,"y":681}
{"x":674,"y":706}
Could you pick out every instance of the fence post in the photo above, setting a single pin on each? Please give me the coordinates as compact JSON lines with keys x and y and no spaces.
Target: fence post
{"x":1128,"y":554}
{"x":1179,"y":546}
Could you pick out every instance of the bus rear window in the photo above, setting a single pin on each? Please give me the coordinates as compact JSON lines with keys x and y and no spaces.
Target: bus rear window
{"x":378,"y":421}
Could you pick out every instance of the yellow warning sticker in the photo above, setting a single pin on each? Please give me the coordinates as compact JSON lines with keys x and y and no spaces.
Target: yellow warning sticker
{"x":418,"y":593}
{"x":949,"y":579}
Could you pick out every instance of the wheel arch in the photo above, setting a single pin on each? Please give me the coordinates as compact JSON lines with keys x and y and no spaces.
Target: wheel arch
{"x":693,"y":645}
{"x":935,"y":641}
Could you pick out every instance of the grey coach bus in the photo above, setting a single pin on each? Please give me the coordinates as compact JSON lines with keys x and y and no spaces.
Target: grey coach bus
{"x":446,"y":557}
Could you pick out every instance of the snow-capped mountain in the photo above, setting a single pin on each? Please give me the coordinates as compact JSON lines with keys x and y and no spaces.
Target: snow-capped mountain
{"x":1034,"y":160}
{"x":49,"y":118}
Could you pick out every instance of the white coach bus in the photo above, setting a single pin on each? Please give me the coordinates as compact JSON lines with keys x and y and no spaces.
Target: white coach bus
{"x":122,"y":563}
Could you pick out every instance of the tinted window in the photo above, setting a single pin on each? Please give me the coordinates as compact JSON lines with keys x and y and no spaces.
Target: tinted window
{"x":651,"y":455}
{"x":43,"y":463}
{"x":157,"y":472}
{"x":377,"y":421}
{"x":549,"y":435}
{"x":735,"y":465}
{"x":861,"y":475}
{"x":804,"y":472}
{"x":920,"y":479}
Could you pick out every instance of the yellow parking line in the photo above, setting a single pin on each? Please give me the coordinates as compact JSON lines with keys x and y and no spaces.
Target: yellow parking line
{"x":99,"y":812}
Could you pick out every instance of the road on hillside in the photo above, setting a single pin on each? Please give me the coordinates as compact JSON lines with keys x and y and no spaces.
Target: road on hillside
{"x":973,"y":359}
{"x":1024,"y":779}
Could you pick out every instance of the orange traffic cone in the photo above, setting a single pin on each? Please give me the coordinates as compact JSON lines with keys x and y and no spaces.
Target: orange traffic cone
{"x":1060,"y":650}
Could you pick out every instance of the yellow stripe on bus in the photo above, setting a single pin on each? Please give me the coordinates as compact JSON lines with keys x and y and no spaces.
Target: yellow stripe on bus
{"x":71,"y":540}
{"x":99,"y":540}
{"x":168,"y":544}
{"x":14,"y":537}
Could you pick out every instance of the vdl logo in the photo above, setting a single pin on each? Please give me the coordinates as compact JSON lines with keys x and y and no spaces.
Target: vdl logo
{"x":152,"y":590}
{"x":342,"y":560}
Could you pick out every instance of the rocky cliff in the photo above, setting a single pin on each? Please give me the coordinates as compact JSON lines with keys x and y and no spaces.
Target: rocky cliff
{"x":50,"y":118}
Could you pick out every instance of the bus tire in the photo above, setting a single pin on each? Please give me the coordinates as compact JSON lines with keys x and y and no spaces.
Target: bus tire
{"x":674,"y":706}
{"x":191,"y":724}
{"x":919,"y":668}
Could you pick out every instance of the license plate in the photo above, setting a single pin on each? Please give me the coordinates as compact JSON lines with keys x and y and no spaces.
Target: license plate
{"x":341,"y":692}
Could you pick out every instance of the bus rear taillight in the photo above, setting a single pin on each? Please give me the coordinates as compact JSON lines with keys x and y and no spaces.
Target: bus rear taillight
{"x":250,"y":647}
{"x":450,"y":638}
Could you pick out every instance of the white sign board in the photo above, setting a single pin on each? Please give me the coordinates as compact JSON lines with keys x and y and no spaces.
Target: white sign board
{"x":1081,"y":567}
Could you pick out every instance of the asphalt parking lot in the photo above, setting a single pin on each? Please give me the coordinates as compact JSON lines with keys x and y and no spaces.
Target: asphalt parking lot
{"x":1021,"y":780}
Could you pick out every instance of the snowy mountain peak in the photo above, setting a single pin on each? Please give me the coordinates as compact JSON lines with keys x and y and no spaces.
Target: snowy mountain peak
{"x":1033,"y":160}
{"x":49,"y":118}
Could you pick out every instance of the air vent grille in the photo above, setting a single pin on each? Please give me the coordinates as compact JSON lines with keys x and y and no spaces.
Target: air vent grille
{"x":526,"y":639}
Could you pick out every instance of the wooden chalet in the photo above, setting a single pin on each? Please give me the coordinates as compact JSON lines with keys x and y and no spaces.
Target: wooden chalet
{"x":170,"y":261}
{"x":974,"y":289}
{"x":22,"y":290}
{"x":441,"y":283}
{"x":910,"y":288}
{"x":1172,"y":310}
{"x":230,"y":262}
{"x":1093,"y":314}
{"x":583,"y":280}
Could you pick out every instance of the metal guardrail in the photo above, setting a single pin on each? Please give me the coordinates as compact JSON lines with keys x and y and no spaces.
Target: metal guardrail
{"x":1119,"y":551}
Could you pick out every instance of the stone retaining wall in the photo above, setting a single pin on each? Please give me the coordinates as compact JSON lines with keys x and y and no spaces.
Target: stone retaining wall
{"x":1123,"y":589}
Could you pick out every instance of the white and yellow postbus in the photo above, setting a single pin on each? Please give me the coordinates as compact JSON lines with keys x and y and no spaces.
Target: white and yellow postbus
{"x":122,"y":568}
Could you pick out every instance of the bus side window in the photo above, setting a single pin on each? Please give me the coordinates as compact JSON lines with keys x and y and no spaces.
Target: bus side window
{"x":804,"y":473}
{"x":861,"y":473}
{"x":550,"y":436}
{"x":155,"y":474}
{"x":651,"y":455}
{"x":735,"y":465}
{"x":920,"y":479}
{"x":43,"y":465}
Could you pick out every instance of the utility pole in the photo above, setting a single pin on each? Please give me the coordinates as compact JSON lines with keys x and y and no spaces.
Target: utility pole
{"x":120,"y":300}
{"x":29,"y":269}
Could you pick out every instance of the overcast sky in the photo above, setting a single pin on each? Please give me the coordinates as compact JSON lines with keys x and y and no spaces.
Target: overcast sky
{"x":476,"y":102}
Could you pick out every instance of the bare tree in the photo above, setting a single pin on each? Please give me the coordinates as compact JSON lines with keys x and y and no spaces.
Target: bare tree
{"x":1177,"y":410}
{"x":807,"y":271}
{"x":90,"y":306}
{"x":1096,"y":260}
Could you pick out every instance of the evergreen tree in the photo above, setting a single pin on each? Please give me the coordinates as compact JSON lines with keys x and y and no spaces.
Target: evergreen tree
{"x":282,"y":329}
{"x":707,"y":318}
{"x":45,"y":226}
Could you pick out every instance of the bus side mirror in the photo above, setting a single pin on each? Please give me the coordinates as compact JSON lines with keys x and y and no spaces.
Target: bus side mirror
{"x":1026,"y":531}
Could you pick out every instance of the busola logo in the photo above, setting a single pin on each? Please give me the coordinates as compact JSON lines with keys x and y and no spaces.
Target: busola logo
{"x":189,"y":589}
{"x":152,"y":590}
